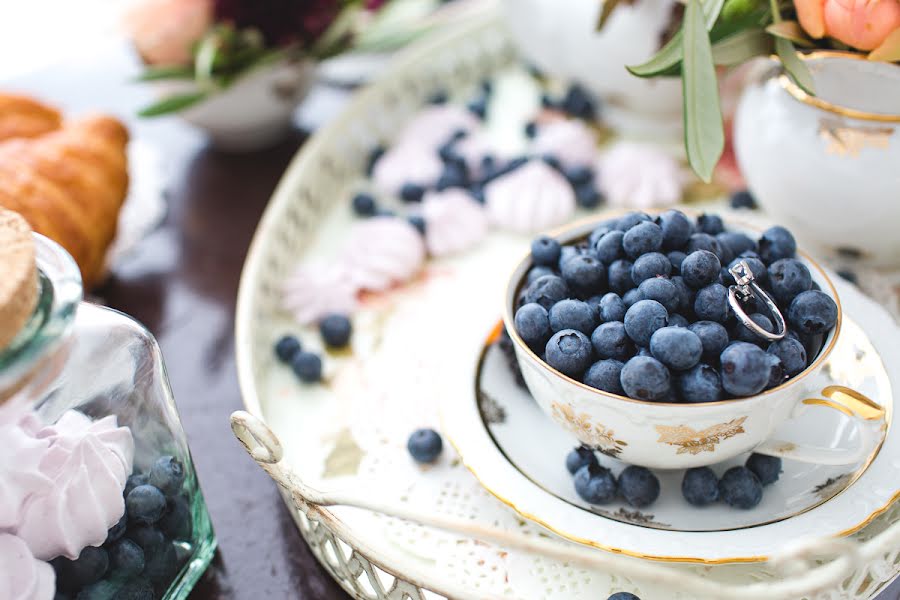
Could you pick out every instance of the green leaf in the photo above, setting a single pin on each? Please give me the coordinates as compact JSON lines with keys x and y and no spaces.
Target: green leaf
{"x":606,"y":9}
{"x":704,"y":137}
{"x":671,"y":54}
{"x":791,"y":31}
{"x":172,"y":104}
{"x":160,"y":73}
{"x":889,"y":50}
{"x":741,"y":47}
{"x":794,"y":66}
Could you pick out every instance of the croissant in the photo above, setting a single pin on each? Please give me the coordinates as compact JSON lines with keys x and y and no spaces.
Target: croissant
{"x":70,"y":184}
{"x":21,"y":116}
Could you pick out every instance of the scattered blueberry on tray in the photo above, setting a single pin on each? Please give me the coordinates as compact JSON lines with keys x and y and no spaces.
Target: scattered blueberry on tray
{"x":425,"y":445}
{"x":652,"y":293}
{"x":623,"y":596}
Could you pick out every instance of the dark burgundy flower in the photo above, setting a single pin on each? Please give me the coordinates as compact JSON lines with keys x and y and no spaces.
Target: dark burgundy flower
{"x":280,"y":21}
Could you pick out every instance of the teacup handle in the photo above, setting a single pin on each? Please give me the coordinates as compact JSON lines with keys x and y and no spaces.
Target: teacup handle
{"x":856,"y":406}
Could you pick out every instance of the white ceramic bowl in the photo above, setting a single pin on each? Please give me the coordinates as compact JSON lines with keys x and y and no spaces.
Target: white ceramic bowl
{"x":827,"y":166}
{"x":678,"y":436}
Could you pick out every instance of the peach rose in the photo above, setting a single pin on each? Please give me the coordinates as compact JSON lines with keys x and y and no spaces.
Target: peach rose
{"x":164,"y":31}
{"x":861,"y":24}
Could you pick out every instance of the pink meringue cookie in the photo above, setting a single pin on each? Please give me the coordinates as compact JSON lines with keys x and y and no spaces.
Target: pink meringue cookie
{"x":406,"y":162}
{"x":22,"y":576}
{"x":640,"y":176}
{"x":571,"y":141}
{"x":20,"y":472}
{"x":383,"y":252}
{"x":316,"y":289}
{"x":434,"y":125}
{"x":531,"y":198}
{"x":454,"y":221}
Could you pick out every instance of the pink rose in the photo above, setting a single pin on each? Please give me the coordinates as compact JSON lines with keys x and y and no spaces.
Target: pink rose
{"x":164,"y":31}
{"x":861,"y":24}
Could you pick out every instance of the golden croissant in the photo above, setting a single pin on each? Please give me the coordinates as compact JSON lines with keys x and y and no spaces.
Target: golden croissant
{"x":69,"y":184}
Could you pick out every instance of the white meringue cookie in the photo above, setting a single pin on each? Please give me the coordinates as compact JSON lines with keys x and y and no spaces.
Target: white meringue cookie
{"x":640,"y":176}
{"x":22,"y":576}
{"x":433,"y":126}
{"x":20,"y":472}
{"x":454,"y":221}
{"x":406,"y":162}
{"x":316,"y":289}
{"x":531,"y":198}
{"x":383,"y":252}
{"x":571,"y":141}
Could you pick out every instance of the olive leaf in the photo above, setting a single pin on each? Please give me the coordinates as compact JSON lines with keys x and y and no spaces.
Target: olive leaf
{"x":606,"y":9}
{"x":791,"y":31}
{"x":704,"y":137}
{"x":794,"y":66}
{"x":172,"y":104}
{"x":889,"y":50}
{"x":160,"y":73}
{"x":741,"y":47}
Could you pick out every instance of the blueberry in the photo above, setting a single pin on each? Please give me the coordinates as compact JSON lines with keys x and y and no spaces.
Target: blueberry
{"x":585,"y":275}
{"x":623,"y":596}
{"x":740,"y":488}
{"x":547,"y":291}
{"x":364,"y":205}
{"x":145,"y":504}
{"x":477,"y":193}
{"x":631,"y":219}
{"x":742,"y":199}
{"x":643,"y":318}
{"x":126,"y":558}
{"x":643,"y":351}
{"x":535,"y":272}
{"x":597,"y":233}
{"x":813,"y":312}
{"x":178,"y":522}
{"x":611,"y":341}
{"x":711,"y":224}
{"x":813,"y":343}
{"x":605,"y":375}
{"x":412,"y":192}
{"x":736,"y":242}
{"x":567,"y":253}
{"x":286,"y":347}
{"x":776,"y":373}
{"x":547,"y":101}
{"x":645,"y":378}
{"x":711,"y":303}
{"x":652,"y":264}
{"x":677,"y":229}
{"x":745,"y":369}
{"x":848,"y":275}
{"x":609,"y":247}
{"x":118,"y":530}
{"x":454,"y":175}
{"x":533,"y":325}
{"x":766,"y":468}
{"x":677,"y":320}
{"x":700,"y":486}
{"x":149,"y":538}
{"x":572,"y":314}
{"x":788,"y":277}
{"x":642,"y":238}
{"x":418,"y":222}
{"x":699,"y":384}
{"x":530,"y":129}
{"x":579,"y":457}
{"x":743,"y":333}
{"x":685,"y":294}
{"x":792,"y":354}
{"x":638,"y":486}
{"x":587,"y":196}
{"x":162,"y":566}
{"x":136,"y":589}
{"x":167,"y":475}
{"x":713,"y":336}
{"x":569,"y":352}
{"x":307,"y":366}
{"x":553,"y":161}
{"x":335,"y":329}
{"x":579,"y":175}
{"x":105,"y":589}
{"x":376,"y":153}
{"x":700,"y":268}
{"x":662,"y":290}
{"x":631,"y":297}
{"x":579,"y":103}
{"x":619,"y":275}
{"x":676,"y":347}
{"x":545,"y":251}
{"x":478,"y":107}
{"x":676,"y":257}
{"x":595,"y":484}
{"x":611,"y":308}
{"x":425,"y":445}
{"x":90,"y":567}
{"x":776,"y":243}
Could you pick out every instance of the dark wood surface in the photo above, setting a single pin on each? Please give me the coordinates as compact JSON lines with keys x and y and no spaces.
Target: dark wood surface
{"x":181,"y":282}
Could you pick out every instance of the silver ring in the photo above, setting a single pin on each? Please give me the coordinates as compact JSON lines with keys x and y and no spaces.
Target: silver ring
{"x":746,"y":287}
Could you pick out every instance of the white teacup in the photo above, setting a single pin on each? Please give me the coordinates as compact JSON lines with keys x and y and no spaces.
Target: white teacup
{"x":677,"y":436}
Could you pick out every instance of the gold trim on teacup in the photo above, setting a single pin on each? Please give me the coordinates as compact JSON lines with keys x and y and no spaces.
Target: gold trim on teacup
{"x":564,"y":235}
{"x":851,"y":113}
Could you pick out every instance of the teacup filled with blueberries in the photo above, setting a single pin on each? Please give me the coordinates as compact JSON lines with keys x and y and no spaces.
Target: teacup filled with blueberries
{"x":673,"y":342}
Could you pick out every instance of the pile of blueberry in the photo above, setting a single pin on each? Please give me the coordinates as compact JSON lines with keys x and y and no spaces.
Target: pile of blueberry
{"x":335,"y":330}
{"x":144,"y":551}
{"x":739,"y":487}
{"x":641,"y":308}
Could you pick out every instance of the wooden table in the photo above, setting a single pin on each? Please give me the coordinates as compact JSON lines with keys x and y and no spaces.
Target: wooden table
{"x":182,"y":282}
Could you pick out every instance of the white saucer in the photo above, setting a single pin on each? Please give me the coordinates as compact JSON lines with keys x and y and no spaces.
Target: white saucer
{"x":518,"y":455}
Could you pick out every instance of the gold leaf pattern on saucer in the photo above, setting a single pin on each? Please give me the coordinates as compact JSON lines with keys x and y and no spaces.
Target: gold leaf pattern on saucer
{"x":595,"y":435}
{"x":690,"y":440}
